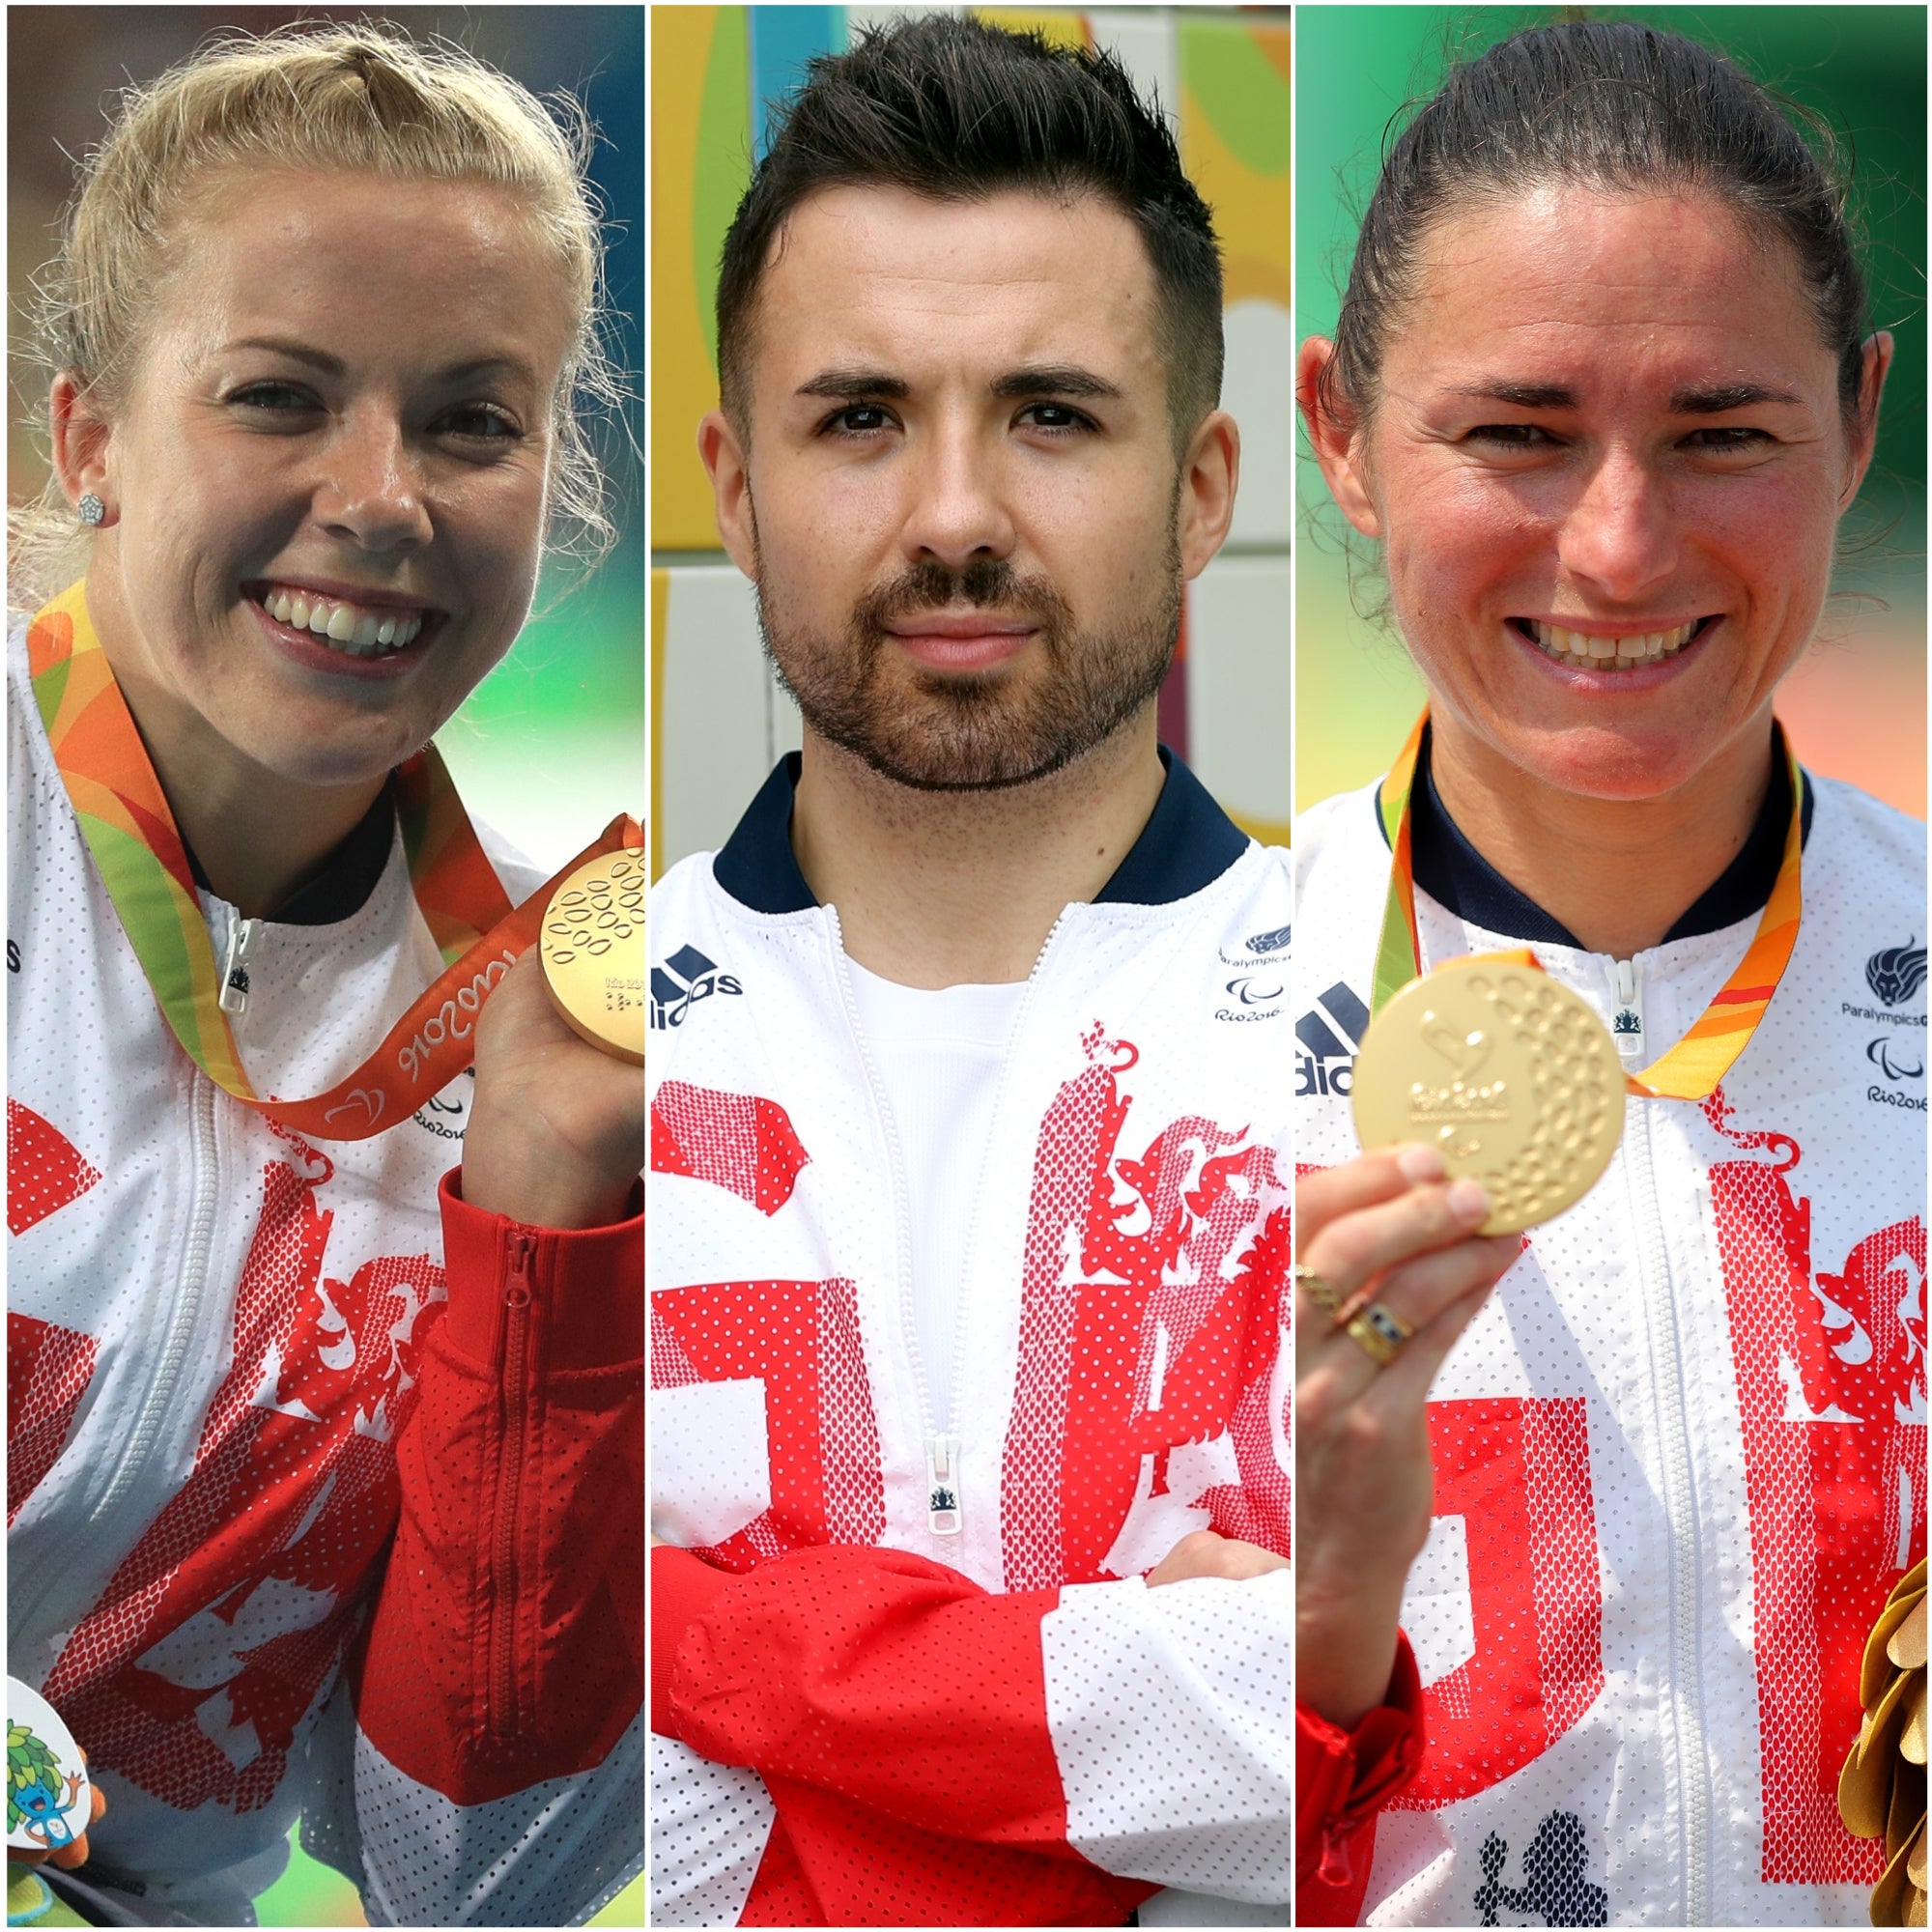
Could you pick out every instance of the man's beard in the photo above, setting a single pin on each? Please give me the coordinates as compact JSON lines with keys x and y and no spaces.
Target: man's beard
{"x":966,"y":731}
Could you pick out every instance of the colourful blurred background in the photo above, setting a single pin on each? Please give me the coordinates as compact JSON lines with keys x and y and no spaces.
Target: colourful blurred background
{"x":553,"y":743}
{"x":1856,"y":706}
{"x":718,"y":719}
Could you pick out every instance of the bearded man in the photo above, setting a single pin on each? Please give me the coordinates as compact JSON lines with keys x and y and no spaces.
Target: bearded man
{"x":969,"y":1240}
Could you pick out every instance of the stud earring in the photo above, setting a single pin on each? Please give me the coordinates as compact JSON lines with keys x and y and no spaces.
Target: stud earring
{"x":91,"y":511}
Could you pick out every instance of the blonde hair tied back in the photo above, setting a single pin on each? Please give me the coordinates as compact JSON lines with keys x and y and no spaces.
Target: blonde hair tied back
{"x":363,"y":98}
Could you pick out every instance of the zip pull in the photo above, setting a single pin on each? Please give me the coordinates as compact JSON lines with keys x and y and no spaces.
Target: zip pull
{"x":522,"y":1257}
{"x":1625,"y":980}
{"x":242,"y":937}
{"x":1336,"y":1867}
{"x":942,"y":1484}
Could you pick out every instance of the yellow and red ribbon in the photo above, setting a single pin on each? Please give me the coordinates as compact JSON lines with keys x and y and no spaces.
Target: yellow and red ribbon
{"x":1689,"y":1070}
{"x":125,"y":817}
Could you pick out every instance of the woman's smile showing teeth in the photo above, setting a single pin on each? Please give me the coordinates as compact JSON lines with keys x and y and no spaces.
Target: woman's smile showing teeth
{"x":350,"y":628}
{"x":1585,"y":650}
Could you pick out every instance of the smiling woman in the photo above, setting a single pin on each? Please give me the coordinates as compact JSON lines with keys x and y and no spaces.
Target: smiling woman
{"x":1602,"y":388}
{"x":286,"y":445}
{"x":1631,"y":502}
{"x":307,"y":1444}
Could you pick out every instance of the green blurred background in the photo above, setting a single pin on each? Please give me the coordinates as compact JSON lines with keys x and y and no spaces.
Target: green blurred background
{"x":1856,"y":706}
{"x":553,"y":743}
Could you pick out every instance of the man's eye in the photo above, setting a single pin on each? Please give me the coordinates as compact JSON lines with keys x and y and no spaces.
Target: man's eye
{"x":858,"y":419}
{"x":1057,"y":419}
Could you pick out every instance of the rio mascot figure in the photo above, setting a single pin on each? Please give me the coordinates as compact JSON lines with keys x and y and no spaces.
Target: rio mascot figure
{"x":33,"y":1785}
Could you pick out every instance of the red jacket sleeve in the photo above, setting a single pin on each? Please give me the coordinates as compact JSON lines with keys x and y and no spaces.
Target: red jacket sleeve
{"x":1342,"y":1779}
{"x":904,"y":1794}
{"x":507,"y":1642}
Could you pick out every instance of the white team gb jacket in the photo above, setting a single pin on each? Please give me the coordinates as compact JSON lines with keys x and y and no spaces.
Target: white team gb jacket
{"x":1679,"y":1455}
{"x":1120,"y":1368}
{"x":215,"y":1335}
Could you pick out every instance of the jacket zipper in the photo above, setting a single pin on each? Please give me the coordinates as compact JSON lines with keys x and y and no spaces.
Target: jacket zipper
{"x":185,"y":1318}
{"x":941,"y":1521}
{"x":1680,"y":1502}
{"x":1625,"y":978}
{"x":1337,"y":1867}
{"x":942,"y":1484}
{"x":944,"y":1514}
{"x":159,"y":1399}
{"x":502,"y":1606}
{"x":241,"y":936}
{"x":979,"y":1191}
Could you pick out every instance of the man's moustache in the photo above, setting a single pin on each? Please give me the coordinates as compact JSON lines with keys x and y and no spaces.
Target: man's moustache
{"x":933,"y":589}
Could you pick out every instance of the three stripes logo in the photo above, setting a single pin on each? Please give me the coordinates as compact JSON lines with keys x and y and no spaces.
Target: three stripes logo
{"x":1327,"y":1035}
{"x":686,"y":978}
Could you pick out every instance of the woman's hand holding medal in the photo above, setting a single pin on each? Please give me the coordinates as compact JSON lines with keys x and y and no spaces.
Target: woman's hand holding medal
{"x":556,"y":1131}
{"x":1390,"y":1235}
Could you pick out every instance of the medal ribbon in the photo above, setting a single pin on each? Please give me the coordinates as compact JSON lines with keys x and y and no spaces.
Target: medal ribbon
{"x":125,"y":817}
{"x":1691,"y":1069}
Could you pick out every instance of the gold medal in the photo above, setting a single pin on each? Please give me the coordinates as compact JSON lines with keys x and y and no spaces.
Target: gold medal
{"x":592,"y":945}
{"x":1881,"y":1786}
{"x":1507,"y":1074}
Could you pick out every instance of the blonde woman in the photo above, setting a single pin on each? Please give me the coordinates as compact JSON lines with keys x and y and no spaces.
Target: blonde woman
{"x":319,"y":1456}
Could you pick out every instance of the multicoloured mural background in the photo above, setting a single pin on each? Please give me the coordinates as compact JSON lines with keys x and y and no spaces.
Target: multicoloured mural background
{"x":1856,"y":706}
{"x":553,"y":743}
{"x":718,"y":719}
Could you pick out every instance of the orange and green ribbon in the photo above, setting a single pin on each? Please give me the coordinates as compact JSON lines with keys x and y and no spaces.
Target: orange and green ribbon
{"x":144,"y":864}
{"x":1692,"y":1069}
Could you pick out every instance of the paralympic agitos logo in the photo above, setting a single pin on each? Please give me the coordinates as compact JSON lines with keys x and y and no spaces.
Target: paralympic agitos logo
{"x":1894,"y":1060}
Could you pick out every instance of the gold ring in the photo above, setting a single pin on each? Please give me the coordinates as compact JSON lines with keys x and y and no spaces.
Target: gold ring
{"x":1379,"y":1333}
{"x":1326,"y":1295}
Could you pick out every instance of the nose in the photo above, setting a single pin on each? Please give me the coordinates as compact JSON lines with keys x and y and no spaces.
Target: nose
{"x":1620,"y":534}
{"x":370,"y":493}
{"x":958,"y":508}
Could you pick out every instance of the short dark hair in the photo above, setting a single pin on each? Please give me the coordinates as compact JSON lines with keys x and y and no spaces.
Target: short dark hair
{"x":1607,"y":105}
{"x":958,"y":110}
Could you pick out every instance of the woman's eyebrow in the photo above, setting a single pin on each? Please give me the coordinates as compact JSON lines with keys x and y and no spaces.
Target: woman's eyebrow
{"x":479,"y":367}
{"x":1695,"y":400}
{"x":467,"y":370}
{"x":1716,"y":400}
{"x":295,"y":350}
{"x":1523,"y":395}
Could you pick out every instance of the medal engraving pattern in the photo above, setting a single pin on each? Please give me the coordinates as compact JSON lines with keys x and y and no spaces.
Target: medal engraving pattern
{"x":593,"y":952}
{"x":1507,"y":1073}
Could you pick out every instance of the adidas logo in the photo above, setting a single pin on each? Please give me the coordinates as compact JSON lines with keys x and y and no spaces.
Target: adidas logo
{"x":681,"y":981}
{"x":1329,"y":1032}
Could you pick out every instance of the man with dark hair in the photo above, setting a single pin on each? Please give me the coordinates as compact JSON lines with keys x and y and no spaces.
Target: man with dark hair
{"x":955,"y":111}
{"x":969,"y":1260}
